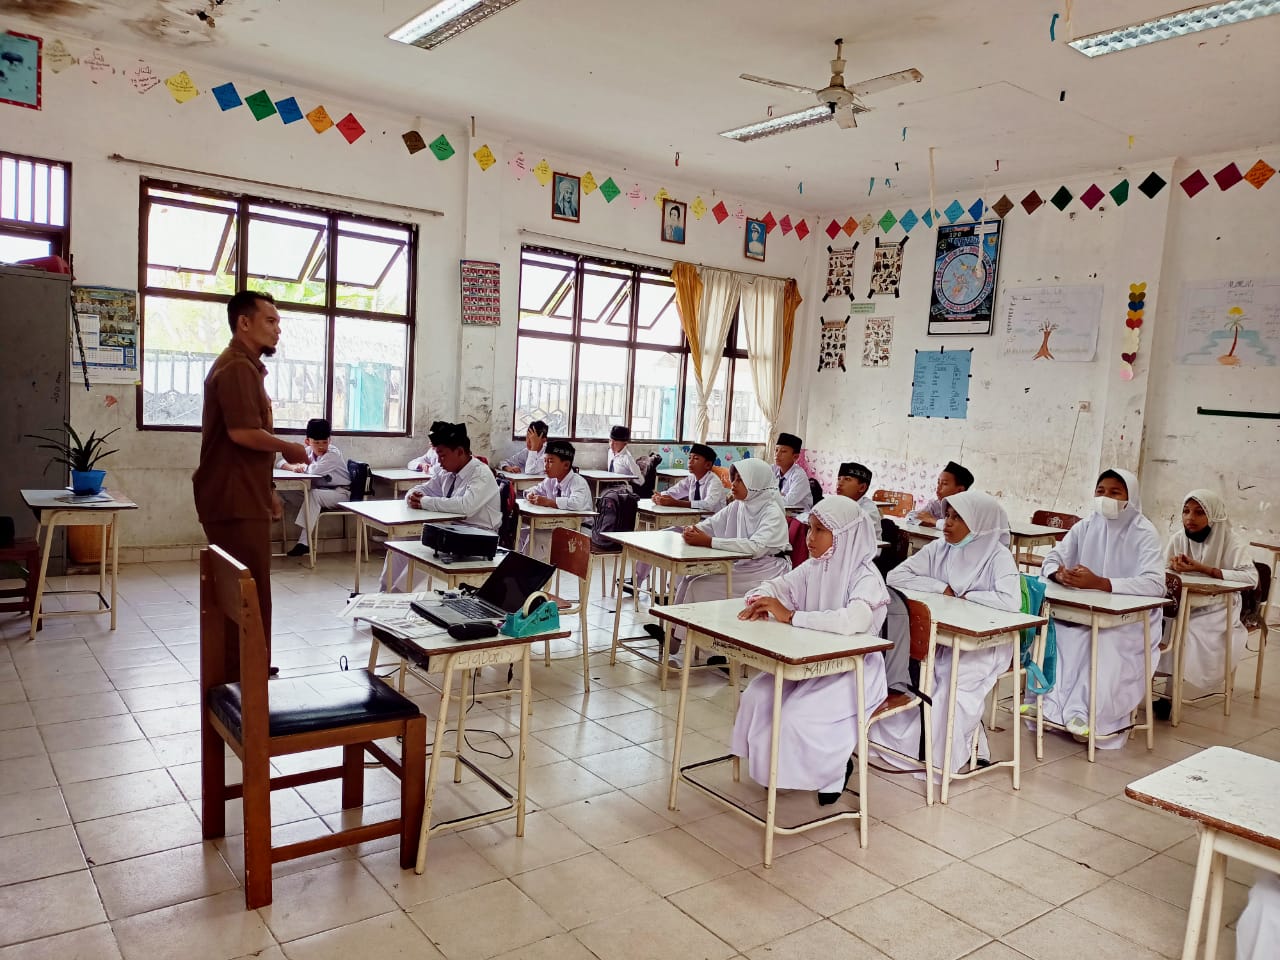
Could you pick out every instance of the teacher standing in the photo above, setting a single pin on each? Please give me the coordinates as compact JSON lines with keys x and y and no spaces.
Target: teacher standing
{"x":232,"y":484}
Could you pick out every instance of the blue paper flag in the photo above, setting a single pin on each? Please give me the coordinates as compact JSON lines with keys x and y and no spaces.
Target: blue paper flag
{"x":977,"y":210}
{"x":226,"y":96}
{"x":927,"y":218}
{"x":954,"y":211}
{"x":908,"y":220}
{"x":289,"y":110}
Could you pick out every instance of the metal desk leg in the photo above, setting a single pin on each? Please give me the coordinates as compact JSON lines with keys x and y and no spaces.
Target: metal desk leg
{"x":926,"y":715}
{"x":360,"y":539}
{"x":115,"y":565}
{"x":619,"y":572}
{"x":1149,"y":673}
{"x":1017,"y":727}
{"x":468,"y":679}
{"x":771,"y":805}
{"x":1093,"y":685}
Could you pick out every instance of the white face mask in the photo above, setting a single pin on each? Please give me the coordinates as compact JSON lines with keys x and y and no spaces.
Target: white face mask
{"x":1109,"y":508}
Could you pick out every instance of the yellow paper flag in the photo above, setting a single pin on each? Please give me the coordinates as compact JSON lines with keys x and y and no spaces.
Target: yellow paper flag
{"x":589,"y":184}
{"x":698,"y":207}
{"x":319,"y":119}
{"x":485,"y":158}
{"x":182,"y":86}
{"x":58,"y":57}
{"x":660,"y":196}
{"x":543,"y":172}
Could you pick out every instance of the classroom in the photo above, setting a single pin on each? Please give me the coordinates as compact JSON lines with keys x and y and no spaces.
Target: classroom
{"x":661,"y":300}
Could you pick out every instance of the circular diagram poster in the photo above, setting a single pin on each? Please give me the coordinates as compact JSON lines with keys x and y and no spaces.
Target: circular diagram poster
{"x":964,"y":278}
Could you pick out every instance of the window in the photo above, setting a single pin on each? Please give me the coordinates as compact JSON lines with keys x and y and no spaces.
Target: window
{"x":35,"y":208}
{"x":344,"y":287}
{"x":600,"y":342}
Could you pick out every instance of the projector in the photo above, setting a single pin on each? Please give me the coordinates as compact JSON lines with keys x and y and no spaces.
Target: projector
{"x":458,"y":541}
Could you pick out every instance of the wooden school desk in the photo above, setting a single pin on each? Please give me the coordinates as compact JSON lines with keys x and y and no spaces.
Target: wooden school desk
{"x":671,"y":475}
{"x":389,"y":516}
{"x":964,"y":625}
{"x":1097,"y":610}
{"x":539,"y":517}
{"x":435,"y":652}
{"x":919,"y":535}
{"x":472,"y":570}
{"x":1024,"y":535}
{"x":303,"y":482}
{"x":1231,"y":796}
{"x":1201,"y":591}
{"x":401,"y":479}
{"x":60,"y":508}
{"x":666,"y":551}
{"x":521,"y":481}
{"x":599,"y":479}
{"x":652,"y":516}
{"x":788,"y":653}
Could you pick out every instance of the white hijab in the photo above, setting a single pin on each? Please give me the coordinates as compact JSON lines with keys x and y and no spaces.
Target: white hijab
{"x":1223,"y":549}
{"x":762,"y":495}
{"x":1119,"y":548}
{"x":972,"y":566}
{"x":845,"y":572}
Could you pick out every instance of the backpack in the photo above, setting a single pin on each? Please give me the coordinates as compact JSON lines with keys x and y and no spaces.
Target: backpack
{"x":615,"y":513}
{"x":901,"y":671}
{"x":510,"y":517}
{"x":648,"y":465}
{"x":896,"y":547}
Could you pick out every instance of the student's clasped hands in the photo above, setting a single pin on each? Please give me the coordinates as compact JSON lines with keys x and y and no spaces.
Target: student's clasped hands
{"x":761,"y":608}
{"x":1082,"y":578}
{"x":1182,"y":563}
{"x":696,"y":538}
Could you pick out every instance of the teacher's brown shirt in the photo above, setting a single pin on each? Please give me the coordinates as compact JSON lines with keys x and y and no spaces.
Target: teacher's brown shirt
{"x":233,"y":482}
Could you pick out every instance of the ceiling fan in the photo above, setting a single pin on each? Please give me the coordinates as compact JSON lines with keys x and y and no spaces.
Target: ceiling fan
{"x":835,"y":100}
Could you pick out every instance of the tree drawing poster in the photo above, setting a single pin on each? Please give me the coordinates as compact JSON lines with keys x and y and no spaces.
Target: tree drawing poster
{"x":966,"y":260}
{"x":1230,"y":322}
{"x":1051,"y":323}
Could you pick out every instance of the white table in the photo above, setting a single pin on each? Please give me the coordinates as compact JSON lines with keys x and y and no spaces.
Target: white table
{"x":788,"y":653}
{"x":438,"y":653}
{"x":672,"y":475}
{"x":58,"y":508}
{"x":388,"y":516}
{"x":1097,"y":609}
{"x":666,"y":551}
{"x":1231,"y":796}
{"x":539,"y":517}
{"x":1272,"y":547}
{"x":1024,"y":535}
{"x":302,"y":482}
{"x":601,"y":478}
{"x":472,"y":571}
{"x":964,"y":625}
{"x":521,"y":481}
{"x":400,"y":478}
{"x":653,"y":516}
{"x":919,"y":535}
{"x":1201,"y":591}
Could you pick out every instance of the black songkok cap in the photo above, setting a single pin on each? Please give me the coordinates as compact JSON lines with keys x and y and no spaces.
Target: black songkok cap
{"x":562,"y":449}
{"x":790,"y":440}
{"x":855,"y":470}
{"x":704,"y":451}
{"x":962,"y":476}
{"x":620,"y":432}
{"x":445,"y":434}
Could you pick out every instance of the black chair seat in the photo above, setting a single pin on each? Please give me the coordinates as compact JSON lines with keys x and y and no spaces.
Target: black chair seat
{"x":297,"y":707}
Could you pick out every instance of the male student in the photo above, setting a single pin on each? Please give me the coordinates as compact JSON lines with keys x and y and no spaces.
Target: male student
{"x":461,"y":484}
{"x":530,"y":460}
{"x":853,"y":481}
{"x":563,"y":489}
{"x":701,"y":490}
{"x":953,"y":479}
{"x":620,"y":458}
{"x":793,"y":482}
{"x":326,"y":461}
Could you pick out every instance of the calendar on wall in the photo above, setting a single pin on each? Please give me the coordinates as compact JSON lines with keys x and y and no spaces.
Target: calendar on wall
{"x":481,"y":293}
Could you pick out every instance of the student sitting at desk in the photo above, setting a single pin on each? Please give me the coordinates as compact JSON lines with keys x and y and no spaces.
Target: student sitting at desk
{"x":1208,"y":545}
{"x":953,"y":479}
{"x":701,"y":490}
{"x":837,"y":590}
{"x":793,"y":482}
{"x":853,"y":481}
{"x":620,"y":458}
{"x":563,"y":489}
{"x":427,"y":462}
{"x":1258,"y":929}
{"x":462,"y":484}
{"x":532,"y":459}
{"x":971,"y":561}
{"x":1115,"y":549}
{"x":323,"y":460}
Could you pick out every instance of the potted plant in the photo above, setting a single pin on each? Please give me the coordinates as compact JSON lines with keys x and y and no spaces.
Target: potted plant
{"x":79,"y":456}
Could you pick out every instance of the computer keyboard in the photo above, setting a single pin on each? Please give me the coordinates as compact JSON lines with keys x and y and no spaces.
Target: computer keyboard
{"x":468,"y":607}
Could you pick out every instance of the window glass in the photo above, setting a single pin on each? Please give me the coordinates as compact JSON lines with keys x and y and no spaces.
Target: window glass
{"x":369,"y":375}
{"x":602,"y":389}
{"x":543,"y":384}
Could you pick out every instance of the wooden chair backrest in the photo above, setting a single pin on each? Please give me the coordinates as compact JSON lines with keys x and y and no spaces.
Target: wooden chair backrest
{"x":900,"y":503}
{"x":571,"y":552}
{"x":921,"y":622}
{"x":232,"y":646}
{"x":1051,"y":518}
{"x":1172,"y":590}
{"x":723,"y":474}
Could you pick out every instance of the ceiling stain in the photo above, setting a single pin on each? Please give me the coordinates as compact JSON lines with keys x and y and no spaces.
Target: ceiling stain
{"x":47,"y":9}
{"x":174,"y":22}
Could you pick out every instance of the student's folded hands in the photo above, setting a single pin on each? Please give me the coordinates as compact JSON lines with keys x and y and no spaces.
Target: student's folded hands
{"x":696,"y":538}
{"x":761,"y":608}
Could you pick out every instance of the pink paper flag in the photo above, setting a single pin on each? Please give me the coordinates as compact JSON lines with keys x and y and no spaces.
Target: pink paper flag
{"x":785,"y":224}
{"x":636,"y":196}
{"x":518,"y":166}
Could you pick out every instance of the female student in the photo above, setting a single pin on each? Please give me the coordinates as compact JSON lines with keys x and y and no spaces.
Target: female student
{"x":532,"y":459}
{"x":971,"y":561}
{"x":1115,"y":549}
{"x":1207,"y":544}
{"x":837,"y":590}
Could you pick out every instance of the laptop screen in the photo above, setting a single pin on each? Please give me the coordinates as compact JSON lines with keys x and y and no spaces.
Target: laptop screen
{"x":515,"y":579}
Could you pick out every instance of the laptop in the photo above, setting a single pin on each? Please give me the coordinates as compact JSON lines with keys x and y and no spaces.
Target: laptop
{"x":505,"y":590}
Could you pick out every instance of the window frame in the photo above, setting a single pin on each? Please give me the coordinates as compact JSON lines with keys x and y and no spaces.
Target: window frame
{"x":58,"y":236}
{"x":734,"y":350}
{"x":329,"y":311}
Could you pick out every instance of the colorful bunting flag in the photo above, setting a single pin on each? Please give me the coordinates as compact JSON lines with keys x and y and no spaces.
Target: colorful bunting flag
{"x":350,"y":128}
{"x":1120,"y":193}
{"x":1061,"y":198}
{"x":609,"y":190}
{"x":833,"y":229}
{"x":1152,"y":185}
{"x":1259,"y":174}
{"x":413,"y":141}
{"x":1092,"y":197}
{"x":143,"y":78}
{"x":289,"y":110}
{"x":929,"y":217}
{"x":850,"y":227}
{"x":1193,"y":183}
{"x":954,"y":211}
{"x":636,"y":196}
{"x":518,"y":165}
{"x":484,"y":158}
{"x":698,"y":208}
{"x":1228,"y":176}
{"x":1032,"y":202}
{"x":740,"y":214}
{"x":181,"y":86}
{"x":909,"y":220}
{"x":785,"y":224}
{"x":660,"y":196}
{"x":802,"y":229}
{"x":769,"y":222}
{"x":867,"y":223}
{"x":887,"y":221}
{"x":319,"y":119}
{"x":58,"y":57}
{"x":441,"y":147}
{"x":720,"y":212}
{"x":542,"y":170}
{"x":976,"y":210}
{"x":260,"y":105}
{"x":1002,"y":206}
{"x":589,"y":185}
{"x":227,"y":96}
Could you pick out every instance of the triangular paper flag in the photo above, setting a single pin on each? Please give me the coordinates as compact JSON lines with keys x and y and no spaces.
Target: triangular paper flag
{"x":542,"y":170}
{"x":589,"y":185}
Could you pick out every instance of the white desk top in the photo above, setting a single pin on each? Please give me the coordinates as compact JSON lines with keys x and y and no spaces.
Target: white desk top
{"x":521,"y":477}
{"x":884,"y":503}
{"x":426,"y":556}
{"x":919,"y":529}
{"x":430,"y":640}
{"x":64,"y":500}
{"x":1198,"y":583}
{"x":1267,"y":544}
{"x":284,"y":476}
{"x":648,"y":506}
{"x":673,"y":473}
{"x":605,"y":475}
{"x":399,"y":474}
{"x":1025,"y":528}
{"x":778,"y":641}
{"x":1100,"y":600}
{"x":1228,"y":789}
{"x":394,"y":512}
{"x":972,"y":619}
{"x":671,"y":545}
{"x":538,"y":510}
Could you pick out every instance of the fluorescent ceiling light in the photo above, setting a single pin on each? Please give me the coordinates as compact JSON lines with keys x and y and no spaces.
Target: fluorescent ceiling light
{"x":1178,"y":24}
{"x":446,"y":20}
{"x":791,"y":121}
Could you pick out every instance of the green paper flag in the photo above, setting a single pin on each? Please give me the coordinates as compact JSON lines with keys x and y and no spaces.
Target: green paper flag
{"x":1120,"y":192}
{"x":887,"y":221}
{"x":609,"y":190}
{"x":441,"y":147}
{"x":261,"y":105}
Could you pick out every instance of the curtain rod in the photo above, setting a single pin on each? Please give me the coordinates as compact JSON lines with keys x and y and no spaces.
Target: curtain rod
{"x":117,"y":158}
{"x":664,"y":262}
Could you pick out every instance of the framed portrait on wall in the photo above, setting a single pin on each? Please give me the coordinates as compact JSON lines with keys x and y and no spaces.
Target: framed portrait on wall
{"x":21,"y":69}
{"x":566,"y":197}
{"x":675,"y":216}
{"x":965,"y":266}
{"x":753,"y":241}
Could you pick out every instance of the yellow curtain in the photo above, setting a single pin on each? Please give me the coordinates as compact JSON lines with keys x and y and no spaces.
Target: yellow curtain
{"x":688,"y":296}
{"x":791,"y":300}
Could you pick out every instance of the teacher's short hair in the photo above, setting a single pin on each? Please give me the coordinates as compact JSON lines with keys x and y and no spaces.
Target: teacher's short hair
{"x":243,"y":302}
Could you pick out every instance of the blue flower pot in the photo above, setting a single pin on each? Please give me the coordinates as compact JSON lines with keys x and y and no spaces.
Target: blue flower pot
{"x":85,"y":483}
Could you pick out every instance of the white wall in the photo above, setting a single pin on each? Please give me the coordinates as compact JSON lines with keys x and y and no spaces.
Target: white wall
{"x":459,"y":373}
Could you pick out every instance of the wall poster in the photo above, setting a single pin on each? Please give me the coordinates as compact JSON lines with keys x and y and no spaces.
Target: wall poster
{"x":481,"y":293}
{"x":832,"y":348}
{"x":108,"y":319}
{"x":965,"y":263}
{"x":1231,"y":322}
{"x":877,"y":341}
{"x":1052,"y":323}
{"x":940,"y":385}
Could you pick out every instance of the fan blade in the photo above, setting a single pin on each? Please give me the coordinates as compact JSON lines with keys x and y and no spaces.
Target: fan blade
{"x":845,"y":119}
{"x":888,"y":81}
{"x":777,"y":83}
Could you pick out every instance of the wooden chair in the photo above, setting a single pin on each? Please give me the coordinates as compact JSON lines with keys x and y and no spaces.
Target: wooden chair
{"x":1045,"y":518}
{"x":261,"y":720}
{"x":1172,"y":590}
{"x":1257,"y":620}
{"x":571,"y":554}
{"x":900,"y":504}
{"x":25,"y":556}
{"x":923,"y":641}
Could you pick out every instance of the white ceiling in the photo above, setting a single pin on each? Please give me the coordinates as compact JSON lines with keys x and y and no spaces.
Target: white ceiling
{"x":631,"y":83}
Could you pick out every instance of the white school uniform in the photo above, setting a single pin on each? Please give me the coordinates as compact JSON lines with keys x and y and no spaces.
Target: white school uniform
{"x":871,"y":510}
{"x":794,"y":487}
{"x":1206,"y":638}
{"x":1258,"y":929}
{"x":571,"y":493}
{"x":707,"y":495}
{"x":1126,"y":551}
{"x":840,"y":592}
{"x":530,"y":462}
{"x":326,"y":494}
{"x":472,"y":492}
{"x":623,"y":462}
{"x":934,"y":508}
{"x":425,"y":463}
{"x":982,"y":571}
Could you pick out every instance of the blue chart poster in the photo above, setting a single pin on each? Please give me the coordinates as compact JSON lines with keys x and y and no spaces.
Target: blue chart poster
{"x":966,"y":259}
{"x":940,"y":387}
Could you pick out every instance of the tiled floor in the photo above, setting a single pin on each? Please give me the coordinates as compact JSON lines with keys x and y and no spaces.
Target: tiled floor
{"x":101,"y":856}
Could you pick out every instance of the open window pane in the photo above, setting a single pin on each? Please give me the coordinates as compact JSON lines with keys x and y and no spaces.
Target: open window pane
{"x":284,"y":249}
{"x":370,"y":360}
{"x":606,"y":303}
{"x":542,"y":384}
{"x":189,"y":247}
{"x":656,"y":396}
{"x":657,"y":319}
{"x":183,"y":338}
{"x":715,"y":405}
{"x":297,"y":374}
{"x":546,"y":293}
{"x":602,"y":389}
{"x":373,"y":267}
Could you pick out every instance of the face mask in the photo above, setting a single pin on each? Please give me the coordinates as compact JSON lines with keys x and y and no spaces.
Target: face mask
{"x":1199,"y":536}
{"x":1108,"y":508}
{"x":967,"y":539}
